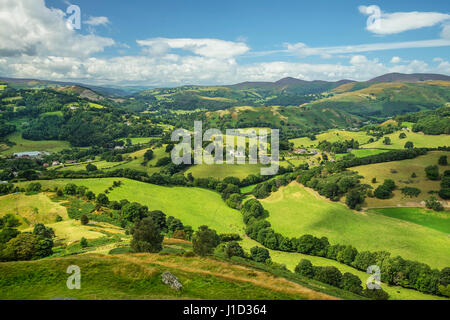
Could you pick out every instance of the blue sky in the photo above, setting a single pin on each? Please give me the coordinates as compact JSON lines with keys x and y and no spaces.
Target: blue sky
{"x":211,"y":42}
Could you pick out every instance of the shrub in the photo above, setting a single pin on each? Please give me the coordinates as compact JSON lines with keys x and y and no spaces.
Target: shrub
{"x":83,"y":242}
{"x":442,"y":160}
{"x":147,"y":236}
{"x":84,"y":219}
{"x":432,"y":172}
{"x":329,"y":275}
{"x":410,"y":191}
{"x":351,"y":283}
{"x":305,"y":268}
{"x":434,"y":204}
{"x":376,"y":294}
{"x":205,"y":240}
{"x":259,"y":254}
{"x":233,"y":248}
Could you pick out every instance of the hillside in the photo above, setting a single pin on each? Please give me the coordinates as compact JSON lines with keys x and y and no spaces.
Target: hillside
{"x":202,"y":278}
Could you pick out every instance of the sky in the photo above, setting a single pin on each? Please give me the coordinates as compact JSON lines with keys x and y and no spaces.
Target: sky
{"x":172,"y":43}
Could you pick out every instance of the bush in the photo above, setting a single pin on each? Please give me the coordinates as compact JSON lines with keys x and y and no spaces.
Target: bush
{"x":442,"y":161}
{"x":376,"y":294}
{"x":434,"y":204}
{"x":432,"y":172}
{"x":34,"y":187}
{"x":233,"y":249}
{"x":205,"y":240}
{"x":305,"y":268}
{"x":259,"y":254}
{"x":84,"y":219}
{"x":351,"y":283}
{"x":410,"y":191}
{"x":83,"y":242}
{"x":90,"y":167}
{"x":179,"y":234}
{"x":329,"y":275}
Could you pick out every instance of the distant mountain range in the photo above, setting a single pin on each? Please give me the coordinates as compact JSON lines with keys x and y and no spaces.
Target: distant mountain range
{"x":286,"y":85}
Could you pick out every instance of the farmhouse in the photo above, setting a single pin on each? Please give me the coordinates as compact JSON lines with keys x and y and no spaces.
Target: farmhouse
{"x":30,"y":154}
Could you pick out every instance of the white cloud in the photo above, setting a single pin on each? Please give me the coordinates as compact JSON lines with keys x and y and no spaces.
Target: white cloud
{"x":303,"y":50}
{"x":97,"y":21}
{"x":445,"y":34}
{"x":211,"y":48}
{"x":396,"y":59}
{"x":380,"y":22}
{"x":28,"y":27}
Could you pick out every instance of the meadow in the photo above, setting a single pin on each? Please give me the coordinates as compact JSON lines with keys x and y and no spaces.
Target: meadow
{"x":220,"y":171}
{"x":419,"y":139}
{"x":332,"y":136}
{"x":193,"y":206}
{"x":138,"y":276}
{"x":295,"y":210}
{"x":291,"y":259}
{"x":439,"y":221}
{"x":22,"y":145}
{"x":400,"y":172}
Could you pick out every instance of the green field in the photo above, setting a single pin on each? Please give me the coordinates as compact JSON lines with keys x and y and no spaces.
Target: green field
{"x":32,"y":209}
{"x":359,"y":153}
{"x":221,"y":171}
{"x":295,"y":210}
{"x":419,"y":139}
{"x":439,"y":221}
{"x":291,"y":259}
{"x":193,"y":206}
{"x":23,"y":145}
{"x":400,"y":172}
{"x":332,"y":136}
{"x":139,"y":277}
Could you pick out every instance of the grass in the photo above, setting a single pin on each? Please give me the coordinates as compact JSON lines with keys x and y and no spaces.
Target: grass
{"x":359,"y":153}
{"x":221,"y":171}
{"x":419,"y":139}
{"x":291,"y":259}
{"x":138,"y":140}
{"x":295,"y":211}
{"x":23,"y":145}
{"x":332,"y":136}
{"x":32,"y":209}
{"x":193,"y":206}
{"x":400,"y":172}
{"x":138,"y":276}
{"x":439,"y":221}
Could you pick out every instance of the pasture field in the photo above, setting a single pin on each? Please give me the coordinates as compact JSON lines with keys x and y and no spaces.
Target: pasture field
{"x":332,"y":136}
{"x":138,"y":140}
{"x":23,"y":145}
{"x":32,"y":209}
{"x":419,"y":139}
{"x":295,"y":210}
{"x":439,"y":221}
{"x":359,"y":153}
{"x":193,"y":206}
{"x":291,"y":259}
{"x":202,"y":278}
{"x":400,"y":172}
{"x":221,"y":171}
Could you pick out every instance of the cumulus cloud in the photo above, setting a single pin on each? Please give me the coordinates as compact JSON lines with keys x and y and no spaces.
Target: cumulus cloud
{"x":383,"y":23}
{"x":28,"y":27}
{"x":396,"y":59}
{"x":211,"y":48}
{"x":445,"y":34}
{"x":97,"y":21}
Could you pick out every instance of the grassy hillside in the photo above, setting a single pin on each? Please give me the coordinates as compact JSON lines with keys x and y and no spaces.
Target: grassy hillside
{"x":400,"y":172}
{"x":193,"y":206}
{"x":138,"y":276}
{"x":419,"y":139}
{"x":295,"y":210}
{"x":332,"y":136}
{"x":291,"y":259}
{"x":22,"y":145}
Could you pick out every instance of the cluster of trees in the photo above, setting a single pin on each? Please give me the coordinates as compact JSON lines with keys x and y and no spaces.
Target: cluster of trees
{"x":332,"y":276}
{"x":411,"y":191}
{"x":16,"y":245}
{"x":338,"y":146}
{"x":394,"y":270}
{"x":384,"y":191}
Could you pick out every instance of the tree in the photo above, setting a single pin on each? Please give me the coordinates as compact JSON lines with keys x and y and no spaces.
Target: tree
{"x":148,"y":155}
{"x":233,"y":249}
{"x":83,"y":242}
{"x":434,"y":204}
{"x":160,"y":219}
{"x":147,"y":236}
{"x":305,"y":268}
{"x":387,"y":141}
{"x":402,"y":135}
{"x":376,"y":294}
{"x":84,"y":219}
{"x":330,"y":275}
{"x":354,"y":198}
{"x":90,"y":167}
{"x":22,"y":247}
{"x":179,"y":234}
{"x":70,"y":189}
{"x":347,"y":256}
{"x":42,"y":231}
{"x":351,"y":283}
{"x":174,"y":224}
{"x":204,"y":241}
{"x":432,"y":172}
{"x":134,"y":211}
{"x":443,"y":160}
{"x":382,"y":192}
{"x":102,"y":199}
{"x":90,"y":195}
{"x":259,"y":254}
{"x":34,"y":187}
{"x":409,"y":145}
